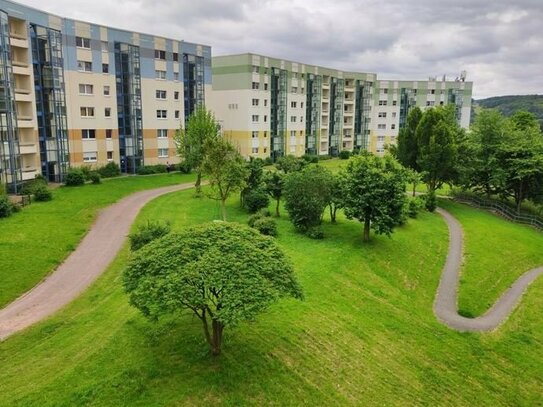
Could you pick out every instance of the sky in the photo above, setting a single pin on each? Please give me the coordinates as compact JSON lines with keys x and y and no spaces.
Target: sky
{"x":499,"y":43}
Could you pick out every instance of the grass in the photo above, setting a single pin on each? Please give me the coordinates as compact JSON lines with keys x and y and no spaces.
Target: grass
{"x":365,"y":334}
{"x":36,"y":240}
{"x":496,"y":254}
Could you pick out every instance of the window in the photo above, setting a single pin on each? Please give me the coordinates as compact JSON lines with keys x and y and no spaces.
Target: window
{"x":265,"y":86}
{"x":430,"y":103}
{"x":84,"y":66}
{"x":82,"y":42}
{"x":110,"y":155}
{"x":382,"y":103}
{"x":393,"y":114}
{"x":176,"y":57}
{"x":255,"y":134}
{"x":255,"y":118}
{"x":293,"y":119}
{"x":106,"y":90}
{"x":254,"y":150}
{"x":302,"y":105}
{"x":163,"y":153}
{"x":301,"y":119}
{"x":385,"y":91}
{"x":161,"y":114}
{"x":255,"y":68}
{"x":86,"y":89}
{"x":265,"y":149}
{"x":265,"y":102}
{"x":176,"y":114}
{"x":105,"y":46}
{"x":87,"y":111}
{"x":382,"y":114}
{"x":255,"y":85}
{"x":265,"y":118}
{"x":293,"y":134}
{"x":394,"y":103}
{"x":108,"y":133}
{"x":265,"y":134}
{"x":105,"y":68}
{"x":381,"y":126}
{"x":160,"y":54}
{"x":89,"y":157}
{"x":255,"y":102}
{"x":162,"y":133}
{"x":88,"y":134}
{"x":432,"y":91}
{"x":380,"y":139}
{"x":160,"y":94}
{"x":160,"y":74}
{"x":292,"y":104}
{"x":176,"y":76}
{"x":393,"y":126}
{"x":107,"y":112}
{"x":176,"y":95}
{"x":294,"y":89}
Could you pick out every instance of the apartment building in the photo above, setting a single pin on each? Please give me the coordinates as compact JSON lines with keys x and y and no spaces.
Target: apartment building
{"x":271,"y":107}
{"x":74,"y":93}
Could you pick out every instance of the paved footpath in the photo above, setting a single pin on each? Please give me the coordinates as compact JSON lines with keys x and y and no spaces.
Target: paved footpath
{"x":445,"y":306}
{"x":91,"y":258}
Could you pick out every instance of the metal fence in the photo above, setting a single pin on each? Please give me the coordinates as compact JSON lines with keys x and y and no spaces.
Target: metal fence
{"x":501,"y":209}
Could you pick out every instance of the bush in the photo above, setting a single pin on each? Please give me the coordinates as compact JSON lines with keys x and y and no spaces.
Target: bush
{"x":42,"y":193}
{"x":6,"y":207}
{"x":184,"y":167}
{"x":86,"y":170}
{"x":430,"y":201}
{"x":266,"y":226}
{"x":315,"y":233}
{"x":152,"y":169}
{"x":311,"y":158}
{"x":147,"y":233}
{"x":30,"y":186}
{"x":268,"y":161}
{"x":344,"y":154}
{"x":324,"y":157}
{"x":414,"y":206}
{"x":95,"y":178}
{"x":109,"y":170}
{"x":74,"y":177}
{"x":255,"y":200}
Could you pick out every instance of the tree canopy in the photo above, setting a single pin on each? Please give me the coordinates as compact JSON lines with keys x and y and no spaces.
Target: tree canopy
{"x":224,"y":273}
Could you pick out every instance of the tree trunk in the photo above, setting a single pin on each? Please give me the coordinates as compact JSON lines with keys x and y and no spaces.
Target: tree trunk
{"x":414,"y":189}
{"x":333,"y":210}
{"x":367,"y":230}
{"x":277,"y":207}
{"x":518,"y":198}
{"x":198,"y":184}
{"x":223,"y":209}
{"x":217,"y":338}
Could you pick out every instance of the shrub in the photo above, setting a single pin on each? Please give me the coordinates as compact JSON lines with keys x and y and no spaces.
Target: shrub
{"x":184,"y":167}
{"x":109,"y":170}
{"x":344,"y":154}
{"x":324,"y":157}
{"x":147,"y":233}
{"x":42,"y":193}
{"x":152,"y":169}
{"x":315,"y":233}
{"x":414,"y":206}
{"x":30,"y":186}
{"x":311,"y":158}
{"x":95,"y":178}
{"x":430,"y":201}
{"x":266,"y":226}
{"x":264,"y":213}
{"x":86,"y":170}
{"x":74,"y":177}
{"x":6,"y":207}
{"x":255,"y":200}
{"x":268,"y":161}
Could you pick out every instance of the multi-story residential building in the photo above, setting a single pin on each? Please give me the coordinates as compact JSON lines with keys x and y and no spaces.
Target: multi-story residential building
{"x":271,"y":107}
{"x":76,"y":93}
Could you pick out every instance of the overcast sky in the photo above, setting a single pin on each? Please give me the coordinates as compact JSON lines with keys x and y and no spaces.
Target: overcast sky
{"x":499,"y":43}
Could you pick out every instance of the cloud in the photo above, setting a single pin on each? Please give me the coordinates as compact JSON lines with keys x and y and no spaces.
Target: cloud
{"x":498,"y":42}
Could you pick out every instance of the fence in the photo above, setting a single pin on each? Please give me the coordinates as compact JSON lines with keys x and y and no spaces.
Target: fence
{"x":501,"y":209}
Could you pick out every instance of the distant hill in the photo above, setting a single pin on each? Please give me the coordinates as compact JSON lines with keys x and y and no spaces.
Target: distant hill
{"x":508,"y":105}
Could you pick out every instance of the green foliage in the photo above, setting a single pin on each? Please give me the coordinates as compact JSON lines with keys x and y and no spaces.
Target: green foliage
{"x":273,"y":184}
{"x":75,"y":177}
{"x":253,"y":181}
{"x":109,"y":170}
{"x":290,"y":163}
{"x":184,"y":167}
{"x":30,"y":187}
{"x":315,"y":232}
{"x":508,"y":105}
{"x":430,"y":201}
{"x":307,"y":193}
{"x":225,"y":169}
{"x":95,"y":178}
{"x":266,"y":225}
{"x":414,"y":206}
{"x":344,"y":154}
{"x":374,"y":192}
{"x":152,"y":169}
{"x":42,"y":193}
{"x":86,"y":170}
{"x":407,"y":150}
{"x":255,"y":200}
{"x":6,"y":207}
{"x":148,"y":232}
{"x":310,"y":158}
{"x":224,"y":273}
{"x":200,"y":132}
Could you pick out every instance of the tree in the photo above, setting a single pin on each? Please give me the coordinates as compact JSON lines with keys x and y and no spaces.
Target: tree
{"x":290,"y":163}
{"x":224,"y":273}
{"x":253,"y":181}
{"x":436,"y":134}
{"x":407,"y":149}
{"x":307,"y":193}
{"x":273,"y":182}
{"x":374,"y":192}
{"x":225,"y":169}
{"x":201,"y":128}
{"x":336,"y":196}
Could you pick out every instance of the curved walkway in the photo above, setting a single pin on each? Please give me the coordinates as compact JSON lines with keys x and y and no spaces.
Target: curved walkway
{"x":91,"y":258}
{"x":445,"y":306}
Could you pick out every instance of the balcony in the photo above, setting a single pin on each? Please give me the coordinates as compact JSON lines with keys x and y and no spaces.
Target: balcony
{"x":28,"y":148}
{"x":24,"y":123}
{"x":19,"y":64}
{"x":18,"y":36}
{"x":29,"y":173}
{"x":18,"y":42}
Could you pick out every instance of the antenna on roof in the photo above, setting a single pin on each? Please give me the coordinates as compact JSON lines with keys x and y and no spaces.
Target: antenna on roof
{"x":463,"y":75}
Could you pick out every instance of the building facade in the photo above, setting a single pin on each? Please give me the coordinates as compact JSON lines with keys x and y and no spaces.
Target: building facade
{"x":74,"y":93}
{"x":271,"y":107}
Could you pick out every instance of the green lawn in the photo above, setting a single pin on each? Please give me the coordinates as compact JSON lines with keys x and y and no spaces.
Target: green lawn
{"x":496,"y":254}
{"x":34,"y":241}
{"x":365,"y":334}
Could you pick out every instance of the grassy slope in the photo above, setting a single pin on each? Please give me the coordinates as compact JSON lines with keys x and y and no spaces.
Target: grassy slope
{"x":365,"y":335}
{"x":496,"y":254}
{"x":34,"y":241}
